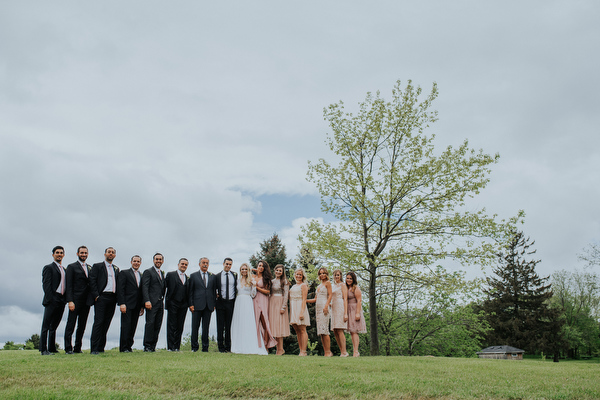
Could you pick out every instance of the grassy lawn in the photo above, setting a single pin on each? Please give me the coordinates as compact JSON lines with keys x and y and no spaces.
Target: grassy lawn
{"x":164,"y":375}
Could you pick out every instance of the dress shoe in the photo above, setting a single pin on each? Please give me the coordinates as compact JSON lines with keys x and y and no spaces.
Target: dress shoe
{"x":95,"y":352}
{"x":69,"y":352}
{"x":46,"y":353}
{"x":205,"y":350}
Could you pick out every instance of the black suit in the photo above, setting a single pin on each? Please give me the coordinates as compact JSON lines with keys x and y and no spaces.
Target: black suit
{"x":54,"y":306}
{"x":129,"y":293}
{"x":203,"y":298}
{"x":153,"y":290}
{"x":176,"y":303}
{"x":225,"y":310}
{"x":104,"y":306}
{"x":78,"y":292}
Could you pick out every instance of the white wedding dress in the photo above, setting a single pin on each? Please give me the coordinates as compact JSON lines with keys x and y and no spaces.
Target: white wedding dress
{"x":244,"y":339}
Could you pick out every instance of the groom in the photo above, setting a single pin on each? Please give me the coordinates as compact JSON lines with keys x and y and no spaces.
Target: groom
{"x":226,"y":292}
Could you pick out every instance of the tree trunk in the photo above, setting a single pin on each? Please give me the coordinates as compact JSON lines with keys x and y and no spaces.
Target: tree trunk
{"x":374,"y":345}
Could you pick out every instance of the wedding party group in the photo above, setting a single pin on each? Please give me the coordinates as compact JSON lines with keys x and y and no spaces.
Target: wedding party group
{"x":254,"y":310}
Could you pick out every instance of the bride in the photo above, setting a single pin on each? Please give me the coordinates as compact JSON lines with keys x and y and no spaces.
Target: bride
{"x":244,"y":339}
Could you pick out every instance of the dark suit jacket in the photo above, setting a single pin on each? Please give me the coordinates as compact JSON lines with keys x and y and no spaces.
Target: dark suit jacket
{"x":50,"y":283}
{"x":219,"y":284}
{"x":153,"y":287}
{"x":99,"y":278}
{"x":128,"y":292}
{"x":176,"y":291}
{"x":78,"y":283}
{"x":201,"y":296}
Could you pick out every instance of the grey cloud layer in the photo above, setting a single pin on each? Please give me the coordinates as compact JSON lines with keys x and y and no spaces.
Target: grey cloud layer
{"x":153,"y":127}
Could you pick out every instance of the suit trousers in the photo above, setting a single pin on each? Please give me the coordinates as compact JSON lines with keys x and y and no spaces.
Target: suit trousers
{"x":104,"y":310}
{"x":197,"y":316}
{"x":53,"y":313}
{"x":175,"y":320}
{"x":79,"y":316}
{"x":224,"y":316}
{"x":129,"y":321}
{"x":154,"y":318}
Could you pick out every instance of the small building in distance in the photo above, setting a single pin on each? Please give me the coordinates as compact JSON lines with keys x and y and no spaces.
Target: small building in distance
{"x":501,"y":353}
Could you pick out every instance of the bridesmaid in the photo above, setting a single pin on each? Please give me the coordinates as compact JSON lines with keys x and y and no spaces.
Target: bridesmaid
{"x":339,"y":311}
{"x":322,"y":300}
{"x":356,"y":318}
{"x":261,"y":304}
{"x":299,"y":318}
{"x":278,"y":315}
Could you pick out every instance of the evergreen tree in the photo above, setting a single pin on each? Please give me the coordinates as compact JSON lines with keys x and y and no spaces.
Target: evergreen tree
{"x":517,"y":304}
{"x":273,"y":252}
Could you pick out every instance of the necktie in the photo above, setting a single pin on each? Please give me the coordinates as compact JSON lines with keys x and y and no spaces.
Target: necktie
{"x":182,"y":277}
{"x":227,"y":285}
{"x":137,"y":278}
{"x":204,"y":279}
{"x":112,"y":277}
{"x":159,"y":275}
{"x":84,"y":266}
{"x":62,"y":279}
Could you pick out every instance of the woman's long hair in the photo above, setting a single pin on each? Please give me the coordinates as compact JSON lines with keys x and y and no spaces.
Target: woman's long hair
{"x":283,"y":279}
{"x":247,"y":281}
{"x":354,"y":281}
{"x":266,"y":275}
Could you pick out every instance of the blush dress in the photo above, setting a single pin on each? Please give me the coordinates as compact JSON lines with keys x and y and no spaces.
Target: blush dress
{"x":296,"y":305}
{"x":337,"y":307}
{"x":280,"y":323}
{"x":355,"y":326}
{"x":261,"y":309}
{"x":322,"y":319}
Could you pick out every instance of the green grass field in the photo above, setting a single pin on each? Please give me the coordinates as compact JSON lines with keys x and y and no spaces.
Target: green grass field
{"x":186,"y":375}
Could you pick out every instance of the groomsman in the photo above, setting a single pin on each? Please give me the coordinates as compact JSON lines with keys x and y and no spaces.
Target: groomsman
{"x":153,"y":294}
{"x":226,"y":292}
{"x":176,"y":303}
{"x":78,"y":299}
{"x":129,"y":298}
{"x":202,"y":299}
{"x":103,"y":286}
{"x":54,"y":286}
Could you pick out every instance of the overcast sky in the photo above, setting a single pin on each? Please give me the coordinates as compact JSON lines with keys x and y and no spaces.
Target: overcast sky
{"x":185,"y":127}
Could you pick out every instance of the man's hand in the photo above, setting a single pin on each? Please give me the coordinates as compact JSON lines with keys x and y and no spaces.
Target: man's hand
{"x":148,"y":305}
{"x":71,"y":306}
{"x":123,"y":308}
